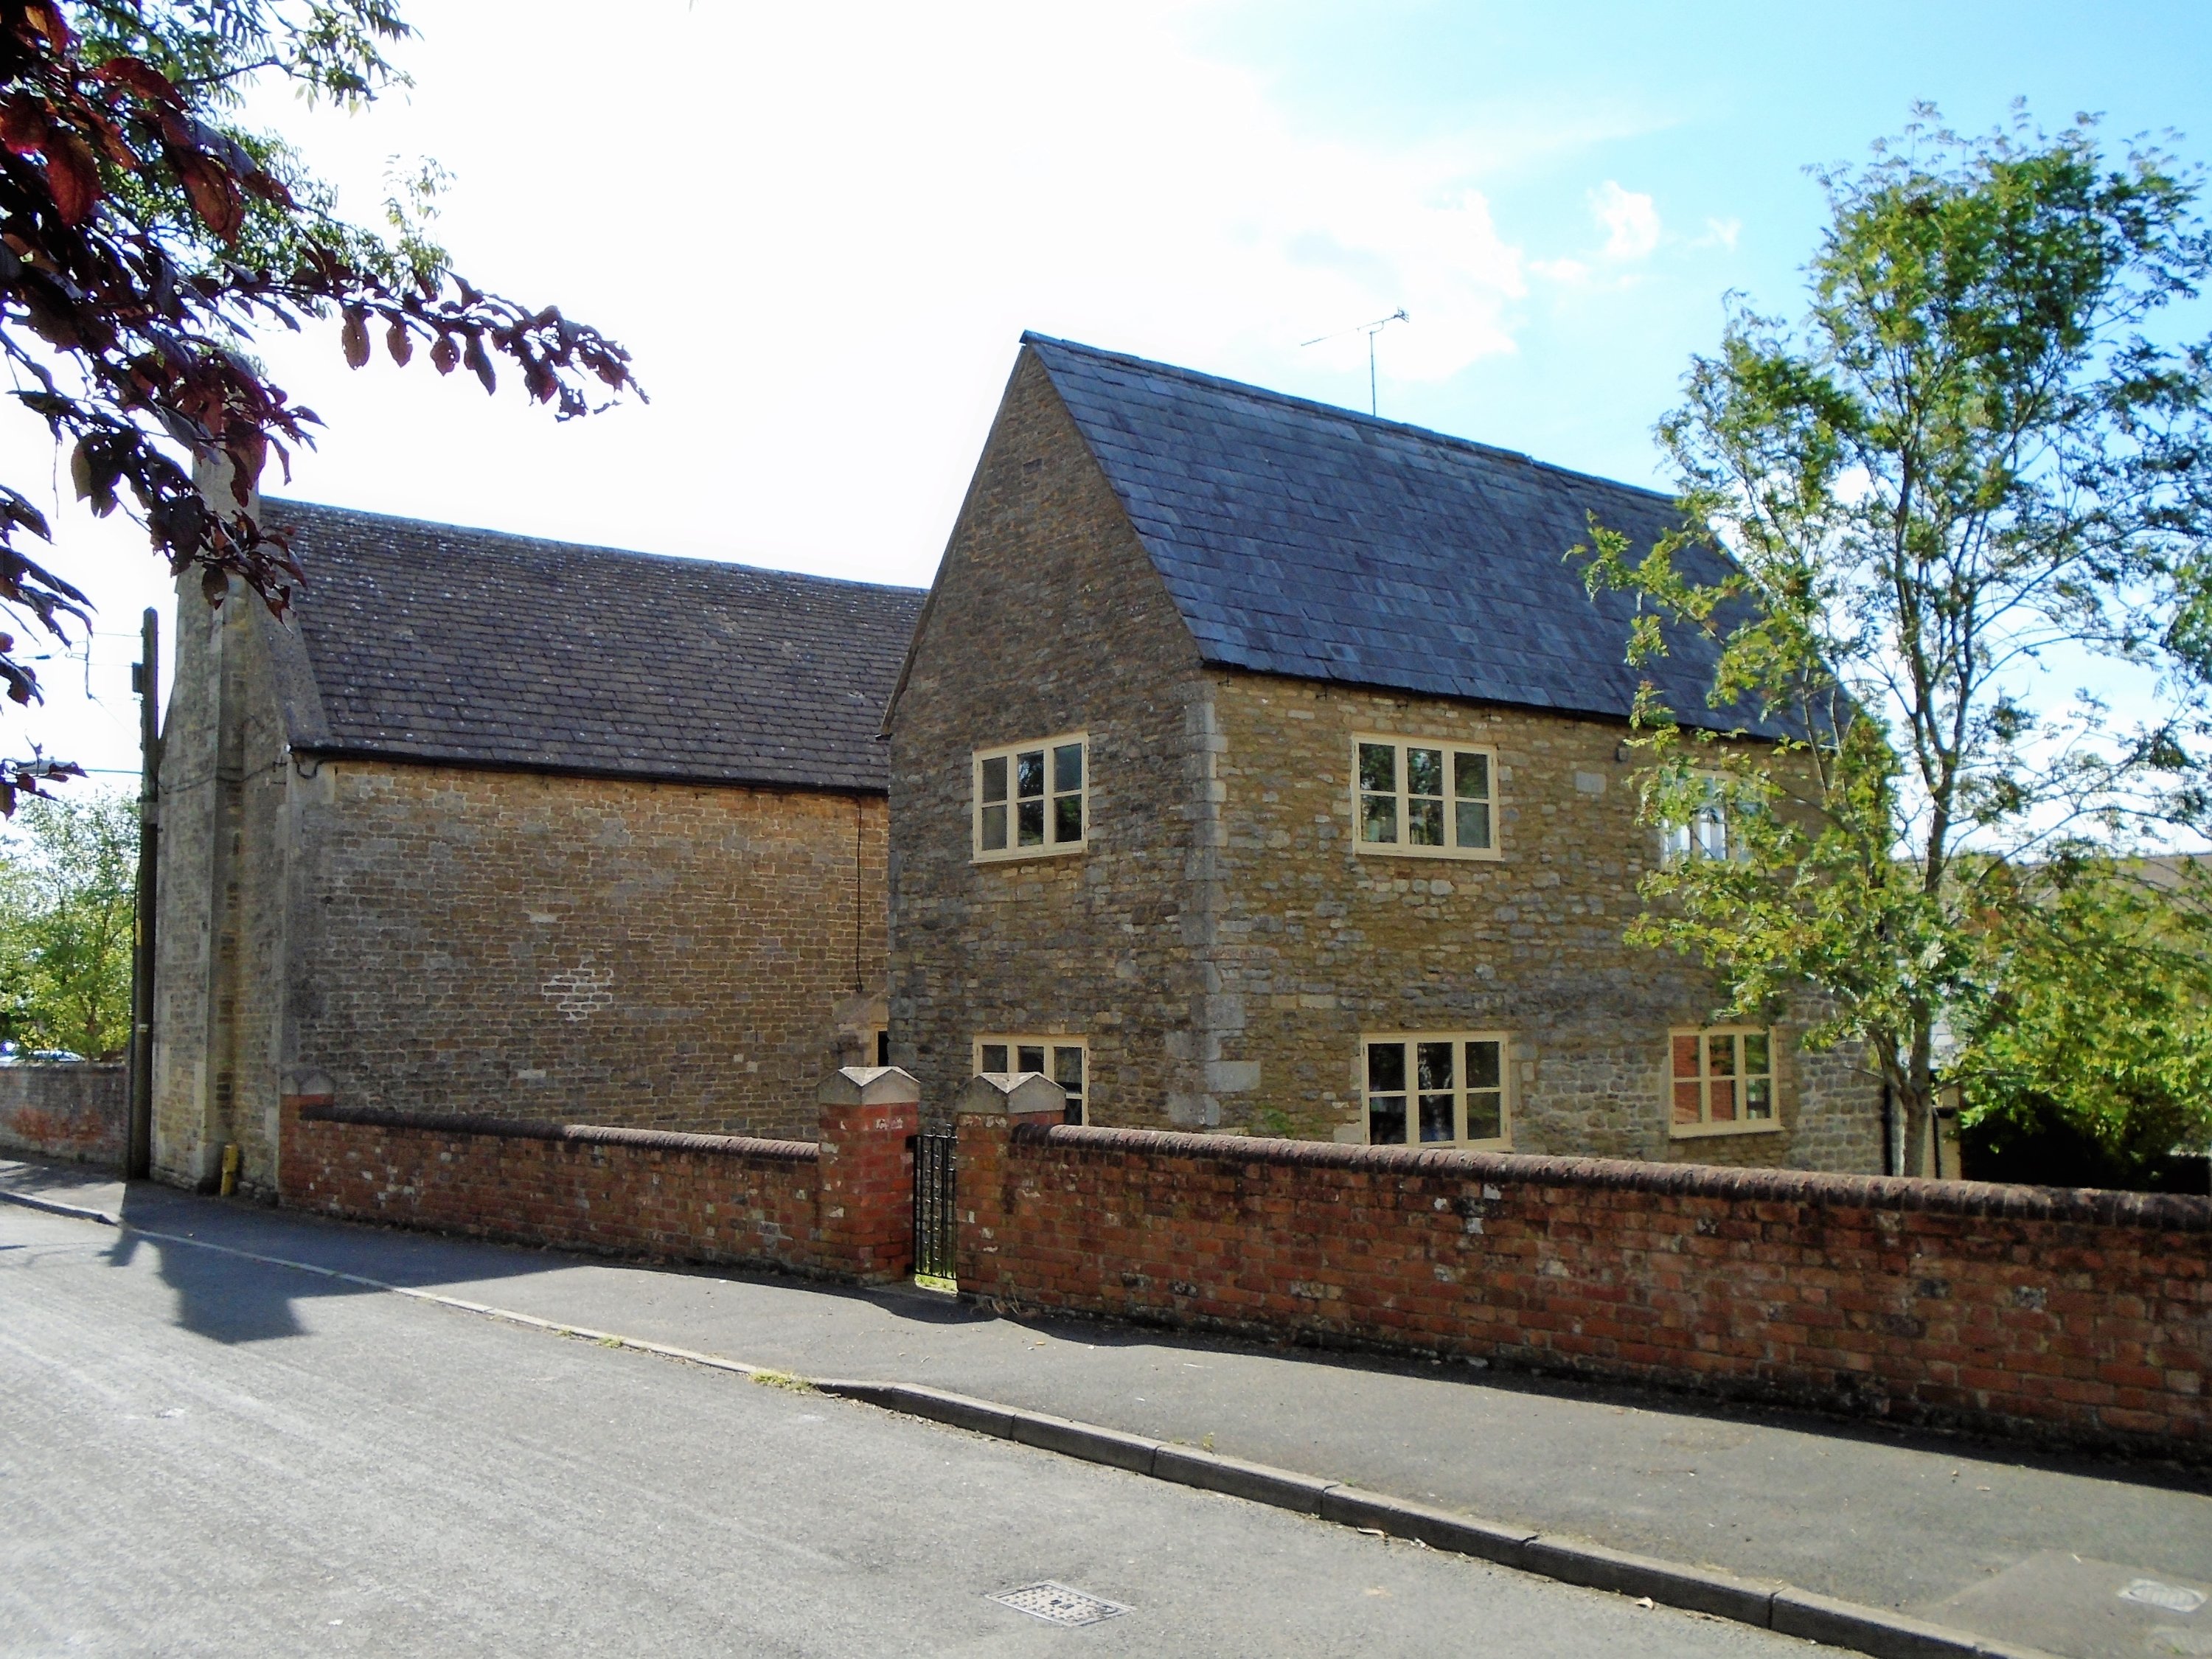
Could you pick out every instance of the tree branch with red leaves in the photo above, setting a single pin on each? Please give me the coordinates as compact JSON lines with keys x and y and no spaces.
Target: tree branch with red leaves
{"x":146,"y":240}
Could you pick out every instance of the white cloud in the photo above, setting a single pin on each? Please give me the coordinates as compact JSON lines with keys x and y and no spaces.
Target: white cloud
{"x":821,"y":230}
{"x":1629,"y":220}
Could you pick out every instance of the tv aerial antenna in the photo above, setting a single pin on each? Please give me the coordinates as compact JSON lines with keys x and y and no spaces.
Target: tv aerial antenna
{"x":1370,"y":329}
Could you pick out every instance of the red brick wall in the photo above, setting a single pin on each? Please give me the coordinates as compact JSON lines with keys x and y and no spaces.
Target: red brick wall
{"x":2076,"y":1316}
{"x":75,"y":1113}
{"x":722,"y":1199}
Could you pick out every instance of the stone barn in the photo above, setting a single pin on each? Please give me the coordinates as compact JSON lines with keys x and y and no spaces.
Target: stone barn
{"x":506,"y":828}
{"x":1260,"y":766}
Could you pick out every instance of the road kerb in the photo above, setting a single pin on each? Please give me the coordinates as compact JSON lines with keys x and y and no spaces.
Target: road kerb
{"x":55,"y":1206}
{"x":1702,"y":1589}
{"x":1877,"y":1631}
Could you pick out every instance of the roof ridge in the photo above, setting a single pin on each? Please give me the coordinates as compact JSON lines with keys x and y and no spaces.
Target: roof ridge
{"x":597,"y":550}
{"x":1268,"y":394}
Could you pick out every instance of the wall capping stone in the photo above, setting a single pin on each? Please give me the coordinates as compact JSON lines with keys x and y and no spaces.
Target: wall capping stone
{"x":2161,"y":1212}
{"x":787,"y":1151}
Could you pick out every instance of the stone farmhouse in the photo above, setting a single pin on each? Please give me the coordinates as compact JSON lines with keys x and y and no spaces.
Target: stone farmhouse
{"x":1258,"y":765}
{"x":500,"y":828}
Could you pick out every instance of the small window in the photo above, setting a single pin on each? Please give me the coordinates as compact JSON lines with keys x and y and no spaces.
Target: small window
{"x":1065,"y":1060}
{"x":1032,"y":800}
{"x":1445,"y":1089}
{"x":1705,"y":836}
{"x":883,"y":1046}
{"x":1429,"y":800}
{"x":1721,"y":1082}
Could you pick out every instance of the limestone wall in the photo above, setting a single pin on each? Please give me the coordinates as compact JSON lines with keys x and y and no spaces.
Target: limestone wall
{"x":512,"y":945}
{"x":1220,"y":944}
{"x":1316,"y":942}
{"x":1046,"y":618}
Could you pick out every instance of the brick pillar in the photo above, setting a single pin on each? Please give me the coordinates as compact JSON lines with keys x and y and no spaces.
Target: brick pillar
{"x":297,"y":1166}
{"x":865,"y":1200}
{"x":988,"y":1111}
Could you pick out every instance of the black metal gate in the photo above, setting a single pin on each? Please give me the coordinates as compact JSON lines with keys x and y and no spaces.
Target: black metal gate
{"x":934,"y":1229}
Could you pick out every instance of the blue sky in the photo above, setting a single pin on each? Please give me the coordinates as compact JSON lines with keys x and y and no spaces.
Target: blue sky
{"x":823,"y":228}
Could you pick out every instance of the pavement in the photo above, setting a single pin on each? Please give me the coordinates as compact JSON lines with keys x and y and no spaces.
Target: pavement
{"x":2078,"y":1557}
{"x":392,"y":1479}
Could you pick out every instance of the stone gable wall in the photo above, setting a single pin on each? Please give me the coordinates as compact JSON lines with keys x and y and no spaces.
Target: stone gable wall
{"x":512,"y":945}
{"x":1047,"y":617}
{"x":1221,"y":944}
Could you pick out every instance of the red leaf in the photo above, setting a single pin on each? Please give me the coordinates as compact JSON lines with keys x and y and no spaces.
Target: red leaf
{"x":357,"y":337}
{"x":476,"y":360}
{"x":215,"y":197}
{"x":399,"y":342}
{"x":72,"y":175}
{"x":445,"y":354}
{"x":23,"y":123}
{"x":46,"y":19}
{"x":140,"y":77}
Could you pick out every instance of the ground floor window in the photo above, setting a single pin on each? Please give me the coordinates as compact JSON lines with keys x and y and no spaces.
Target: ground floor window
{"x":1721,"y":1081}
{"x":1065,"y":1060}
{"x":1436,"y":1089}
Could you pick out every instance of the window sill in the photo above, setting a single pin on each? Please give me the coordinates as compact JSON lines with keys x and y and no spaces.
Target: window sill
{"x":1455,"y":854}
{"x":1029,"y":854}
{"x":1503,"y":1145}
{"x":1701,"y":1131}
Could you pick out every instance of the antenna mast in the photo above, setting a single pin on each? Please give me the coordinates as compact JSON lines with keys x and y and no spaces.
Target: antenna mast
{"x":1370,"y":329}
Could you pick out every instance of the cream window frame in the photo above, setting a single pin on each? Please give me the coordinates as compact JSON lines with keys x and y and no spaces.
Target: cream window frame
{"x":1708,"y":834}
{"x":1053,"y":1043}
{"x":1402,"y":797}
{"x":1409,"y":1044}
{"x":1010,"y":754}
{"x":1740,"y":1079}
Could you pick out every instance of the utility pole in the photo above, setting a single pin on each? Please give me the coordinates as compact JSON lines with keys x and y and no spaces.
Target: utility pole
{"x":146,"y":681}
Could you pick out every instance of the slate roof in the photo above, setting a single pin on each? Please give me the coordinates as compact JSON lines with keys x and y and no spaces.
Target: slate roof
{"x":428,"y":641}
{"x":1302,"y":539}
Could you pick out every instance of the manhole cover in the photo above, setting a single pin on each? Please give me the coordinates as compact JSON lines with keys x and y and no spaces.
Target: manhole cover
{"x":1056,"y":1604}
{"x":2172,"y":1598}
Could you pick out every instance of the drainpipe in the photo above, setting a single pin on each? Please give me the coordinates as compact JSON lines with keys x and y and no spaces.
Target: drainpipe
{"x":145,"y":676}
{"x":1888,"y":1130}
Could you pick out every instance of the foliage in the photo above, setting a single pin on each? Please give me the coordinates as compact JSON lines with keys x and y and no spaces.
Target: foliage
{"x":1968,"y":460}
{"x":146,"y":236}
{"x":2098,"y":1011}
{"x":68,"y":904}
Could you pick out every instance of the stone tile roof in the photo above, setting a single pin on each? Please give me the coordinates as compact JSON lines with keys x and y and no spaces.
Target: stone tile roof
{"x":1302,"y":539}
{"x":431,"y":642}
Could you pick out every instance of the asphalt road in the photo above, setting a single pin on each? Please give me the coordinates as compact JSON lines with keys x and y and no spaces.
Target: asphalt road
{"x":376,"y":1475}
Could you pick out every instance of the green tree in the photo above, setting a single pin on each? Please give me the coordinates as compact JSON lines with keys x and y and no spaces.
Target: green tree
{"x":147,"y":235}
{"x":1970,"y":459}
{"x":2093,"y":1038}
{"x":68,"y":899}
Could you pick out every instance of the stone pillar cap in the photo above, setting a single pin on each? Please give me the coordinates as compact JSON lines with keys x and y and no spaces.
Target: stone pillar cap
{"x":868,"y":1085}
{"x":1014,"y":1094}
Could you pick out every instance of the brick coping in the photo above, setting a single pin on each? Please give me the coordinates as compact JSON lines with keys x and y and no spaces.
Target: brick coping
{"x":585,"y":1134}
{"x":2157,"y":1211}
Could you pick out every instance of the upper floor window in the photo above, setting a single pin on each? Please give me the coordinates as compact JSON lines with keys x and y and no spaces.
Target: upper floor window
{"x":1065,"y":1060}
{"x":1445,"y":1089}
{"x":1722,"y":1081}
{"x":1705,"y":834}
{"x":1431,"y":799}
{"x":1033,"y":799}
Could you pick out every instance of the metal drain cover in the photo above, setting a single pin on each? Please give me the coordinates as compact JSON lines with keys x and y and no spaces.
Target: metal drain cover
{"x":1056,"y":1604}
